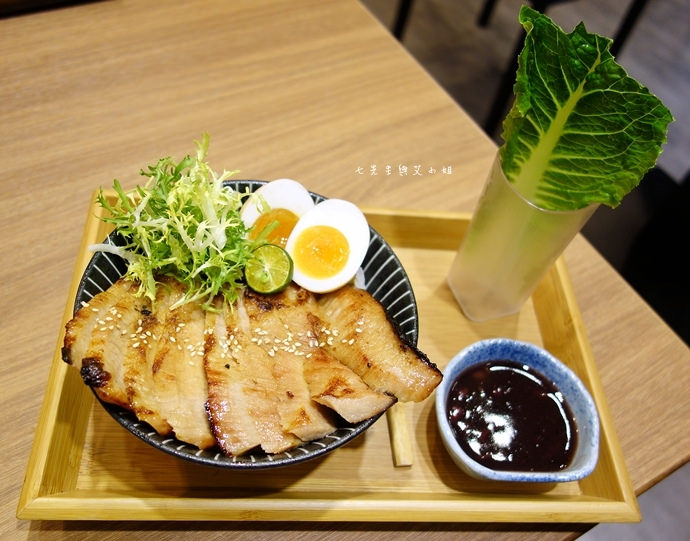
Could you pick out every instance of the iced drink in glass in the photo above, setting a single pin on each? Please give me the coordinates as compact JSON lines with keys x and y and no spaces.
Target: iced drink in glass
{"x":509,"y":245}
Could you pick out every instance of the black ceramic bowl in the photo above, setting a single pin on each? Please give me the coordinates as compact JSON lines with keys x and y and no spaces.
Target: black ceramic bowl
{"x":383,"y":277}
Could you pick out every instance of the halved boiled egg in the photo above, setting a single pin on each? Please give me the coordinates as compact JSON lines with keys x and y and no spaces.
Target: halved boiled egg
{"x":328,"y":245}
{"x":282,"y":201}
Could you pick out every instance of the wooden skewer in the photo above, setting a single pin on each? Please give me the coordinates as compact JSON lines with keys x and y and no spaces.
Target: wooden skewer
{"x":399,"y":432}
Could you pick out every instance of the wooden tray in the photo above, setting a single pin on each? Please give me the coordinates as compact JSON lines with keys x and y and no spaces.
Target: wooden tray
{"x":84,"y":465}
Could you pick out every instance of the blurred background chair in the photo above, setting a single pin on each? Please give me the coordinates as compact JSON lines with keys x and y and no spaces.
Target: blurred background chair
{"x":505,"y":88}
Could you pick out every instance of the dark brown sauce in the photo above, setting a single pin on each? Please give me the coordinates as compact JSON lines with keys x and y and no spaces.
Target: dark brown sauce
{"x":507,"y":416}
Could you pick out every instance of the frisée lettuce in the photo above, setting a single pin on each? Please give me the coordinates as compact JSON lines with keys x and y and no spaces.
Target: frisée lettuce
{"x":182,"y":223}
{"x":580,"y":131}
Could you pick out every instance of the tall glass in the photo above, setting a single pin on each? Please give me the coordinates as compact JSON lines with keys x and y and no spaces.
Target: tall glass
{"x":509,"y":245}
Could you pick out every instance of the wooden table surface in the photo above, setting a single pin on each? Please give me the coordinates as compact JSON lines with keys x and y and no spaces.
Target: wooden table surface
{"x":315,"y":90}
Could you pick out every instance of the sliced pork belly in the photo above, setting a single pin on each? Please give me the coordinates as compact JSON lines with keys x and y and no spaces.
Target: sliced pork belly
{"x":177,"y":369}
{"x":242,"y":391}
{"x":299,"y":414}
{"x":368,"y":343}
{"x":329,"y":382}
{"x":140,"y":382}
{"x":264,"y":373}
{"x":96,"y":340}
{"x":78,"y":330}
{"x":335,"y":386}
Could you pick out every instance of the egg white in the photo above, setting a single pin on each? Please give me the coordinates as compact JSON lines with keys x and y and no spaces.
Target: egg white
{"x":282,"y":193}
{"x":351,"y":222}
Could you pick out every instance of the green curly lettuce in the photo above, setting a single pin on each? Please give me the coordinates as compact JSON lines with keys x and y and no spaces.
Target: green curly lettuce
{"x":580,"y":131}
{"x":183,"y":223}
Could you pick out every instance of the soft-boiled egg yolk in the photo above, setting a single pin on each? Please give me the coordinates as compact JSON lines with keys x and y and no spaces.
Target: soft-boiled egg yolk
{"x":321,"y":251}
{"x":328,"y":245}
{"x":285,"y":219}
{"x":282,"y":201}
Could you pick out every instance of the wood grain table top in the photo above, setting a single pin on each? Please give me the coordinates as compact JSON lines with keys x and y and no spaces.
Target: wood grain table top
{"x":315,"y":90}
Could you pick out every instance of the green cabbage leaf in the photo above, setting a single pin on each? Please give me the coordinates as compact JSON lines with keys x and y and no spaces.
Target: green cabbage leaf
{"x":581,"y":131}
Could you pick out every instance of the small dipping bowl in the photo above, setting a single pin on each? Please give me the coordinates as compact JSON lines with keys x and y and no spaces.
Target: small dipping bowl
{"x":581,"y":405}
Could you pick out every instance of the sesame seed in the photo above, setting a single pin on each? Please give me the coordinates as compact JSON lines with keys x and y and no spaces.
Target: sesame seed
{"x":172,"y":339}
{"x":135,"y":345}
{"x":351,"y":341}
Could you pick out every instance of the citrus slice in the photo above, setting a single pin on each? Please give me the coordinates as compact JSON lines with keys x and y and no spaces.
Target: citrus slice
{"x":269,"y":270}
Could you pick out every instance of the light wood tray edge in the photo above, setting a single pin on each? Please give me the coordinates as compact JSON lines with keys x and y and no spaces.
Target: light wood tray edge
{"x":39,"y":480}
{"x":47,"y":492}
{"x":609,"y":445}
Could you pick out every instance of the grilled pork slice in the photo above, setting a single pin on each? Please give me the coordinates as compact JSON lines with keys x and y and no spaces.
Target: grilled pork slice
{"x":96,"y":338}
{"x":242,"y":391}
{"x":368,"y":343}
{"x":335,"y":386}
{"x":329,"y":382}
{"x":299,"y":414}
{"x":78,"y":330}
{"x":140,"y":377}
{"x":176,"y":368}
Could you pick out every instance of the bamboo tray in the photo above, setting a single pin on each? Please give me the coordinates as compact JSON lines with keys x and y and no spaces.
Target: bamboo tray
{"x":84,"y":465}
